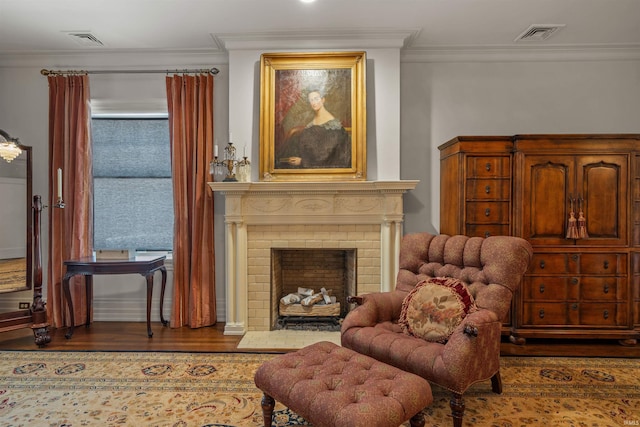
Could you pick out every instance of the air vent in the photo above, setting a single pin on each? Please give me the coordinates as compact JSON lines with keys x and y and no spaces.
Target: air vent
{"x":85,"y":38}
{"x":538,"y":32}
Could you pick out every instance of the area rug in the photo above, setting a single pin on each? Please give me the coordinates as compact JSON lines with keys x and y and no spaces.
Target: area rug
{"x":48,"y":388}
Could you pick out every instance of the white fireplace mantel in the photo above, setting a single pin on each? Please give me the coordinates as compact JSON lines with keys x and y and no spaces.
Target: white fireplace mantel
{"x":294,"y":209}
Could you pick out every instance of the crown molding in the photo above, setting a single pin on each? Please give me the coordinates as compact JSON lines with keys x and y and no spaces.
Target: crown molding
{"x":137,"y":59}
{"x":510,"y":53}
{"x":317,"y":39}
{"x":197,"y":58}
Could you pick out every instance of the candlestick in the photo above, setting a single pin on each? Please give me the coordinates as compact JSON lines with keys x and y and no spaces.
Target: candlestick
{"x":59,"y":203}
{"x":230,"y":137}
{"x":59,"y":183}
{"x":215,"y":150}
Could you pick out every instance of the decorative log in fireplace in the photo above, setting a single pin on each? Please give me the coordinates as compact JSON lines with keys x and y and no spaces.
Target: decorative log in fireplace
{"x":316,"y":310}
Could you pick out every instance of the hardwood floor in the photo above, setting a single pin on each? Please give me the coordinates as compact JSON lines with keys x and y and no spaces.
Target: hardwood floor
{"x":131,"y":336}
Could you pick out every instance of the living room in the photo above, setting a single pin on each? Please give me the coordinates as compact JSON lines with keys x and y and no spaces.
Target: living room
{"x":435,"y":71}
{"x":419,"y":95}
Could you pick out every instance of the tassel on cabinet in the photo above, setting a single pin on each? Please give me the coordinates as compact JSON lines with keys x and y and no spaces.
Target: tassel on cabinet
{"x":582,"y":221}
{"x":572,"y":228}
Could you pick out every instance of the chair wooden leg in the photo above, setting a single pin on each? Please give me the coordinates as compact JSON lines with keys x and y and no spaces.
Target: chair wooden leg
{"x":457,"y":409}
{"x":417,"y":420}
{"x":496,"y":383}
{"x":268,"y":403}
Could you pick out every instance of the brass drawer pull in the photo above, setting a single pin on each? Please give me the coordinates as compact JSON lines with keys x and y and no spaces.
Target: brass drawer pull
{"x":605,"y":314}
{"x":487,"y":234}
{"x":542,"y":264}
{"x":606,"y":265}
{"x":574,"y":306}
{"x":487,"y":167}
{"x":487,"y":189}
{"x":487,"y":212}
{"x":574,"y":281}
{"x":541,"y":314}
{"x":542,"y":288}
{"x":606,"y":288}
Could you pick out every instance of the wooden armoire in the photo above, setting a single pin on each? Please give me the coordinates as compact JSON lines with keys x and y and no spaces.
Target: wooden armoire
{"x":576,"y":199}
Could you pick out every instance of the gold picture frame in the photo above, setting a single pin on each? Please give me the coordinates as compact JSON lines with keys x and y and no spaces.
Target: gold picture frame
{"x":313,"y":116}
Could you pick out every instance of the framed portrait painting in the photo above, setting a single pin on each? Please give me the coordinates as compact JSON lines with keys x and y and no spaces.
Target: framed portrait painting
{"x":312,"y":116}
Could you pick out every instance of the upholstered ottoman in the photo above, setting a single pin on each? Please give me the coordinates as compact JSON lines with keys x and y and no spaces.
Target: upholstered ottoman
{"x":332,"y":386}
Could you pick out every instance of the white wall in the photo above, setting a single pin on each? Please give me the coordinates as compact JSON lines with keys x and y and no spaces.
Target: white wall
{"x":437,"y":101}
{"x":441,"y":100}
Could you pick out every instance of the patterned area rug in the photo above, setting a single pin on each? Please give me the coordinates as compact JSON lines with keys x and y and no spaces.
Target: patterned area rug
{"x":39,"y":388}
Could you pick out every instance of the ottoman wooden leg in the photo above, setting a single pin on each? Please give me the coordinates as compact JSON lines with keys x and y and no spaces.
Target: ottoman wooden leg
{"x":267,"y":409}
{"x":417,"y":420}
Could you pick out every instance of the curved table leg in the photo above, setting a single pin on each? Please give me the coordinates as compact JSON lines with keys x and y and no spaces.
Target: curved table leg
{"x":67,"y":297}
{"x":149,"y":294}
{"x":88,"y":286}
{"x":163,"y":270}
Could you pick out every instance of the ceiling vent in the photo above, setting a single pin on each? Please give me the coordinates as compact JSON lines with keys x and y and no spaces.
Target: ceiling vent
{"x":85,"y":38}
{"x":538,"y":32}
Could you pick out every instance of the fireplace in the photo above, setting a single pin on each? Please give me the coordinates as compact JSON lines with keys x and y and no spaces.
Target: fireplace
{"x":293,"y":270}
{"x":363,"y":218}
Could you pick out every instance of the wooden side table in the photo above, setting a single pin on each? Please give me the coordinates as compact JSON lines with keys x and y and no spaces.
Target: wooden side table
{"x":88,"y":266}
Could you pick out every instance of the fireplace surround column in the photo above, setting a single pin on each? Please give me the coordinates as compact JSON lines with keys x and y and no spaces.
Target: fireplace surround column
{"x":235,"y":266}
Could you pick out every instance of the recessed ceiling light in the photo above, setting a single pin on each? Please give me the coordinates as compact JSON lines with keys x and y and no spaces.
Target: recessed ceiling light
{"x":307,"y":1}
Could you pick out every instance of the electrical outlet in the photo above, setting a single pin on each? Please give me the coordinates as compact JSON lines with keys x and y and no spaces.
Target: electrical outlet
{"x":23,"y":305}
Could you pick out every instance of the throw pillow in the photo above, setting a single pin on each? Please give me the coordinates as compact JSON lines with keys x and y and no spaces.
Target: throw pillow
{"x":435,"y":307}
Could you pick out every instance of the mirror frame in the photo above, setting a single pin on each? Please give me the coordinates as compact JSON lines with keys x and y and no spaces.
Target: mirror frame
{"x":29,"y":217}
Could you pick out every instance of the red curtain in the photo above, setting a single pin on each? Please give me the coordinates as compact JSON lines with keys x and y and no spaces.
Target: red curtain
{"x":190,"y":102}
{"x":71,"y":228}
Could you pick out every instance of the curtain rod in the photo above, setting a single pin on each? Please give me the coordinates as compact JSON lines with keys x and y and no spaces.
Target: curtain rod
{"x":213,"y":71}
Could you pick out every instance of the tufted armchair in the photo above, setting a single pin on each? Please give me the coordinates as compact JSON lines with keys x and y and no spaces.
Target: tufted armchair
{"x":492,"y":268}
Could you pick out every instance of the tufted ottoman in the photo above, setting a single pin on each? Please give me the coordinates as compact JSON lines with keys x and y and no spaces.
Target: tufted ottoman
{"x":333,"y":386}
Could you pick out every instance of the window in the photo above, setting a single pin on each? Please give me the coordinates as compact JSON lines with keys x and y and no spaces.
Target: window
{"x":132,"y":188}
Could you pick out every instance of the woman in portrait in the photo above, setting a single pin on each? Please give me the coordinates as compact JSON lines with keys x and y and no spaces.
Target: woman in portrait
{"x":321,"y":143}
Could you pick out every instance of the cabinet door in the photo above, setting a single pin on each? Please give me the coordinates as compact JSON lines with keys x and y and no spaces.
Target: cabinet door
{"x":596,"y":184}
{"x":602,"y":182}
{"x":547,"y":182}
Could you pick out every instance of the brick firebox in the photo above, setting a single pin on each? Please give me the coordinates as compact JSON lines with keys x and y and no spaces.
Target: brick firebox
{"x":363,"y":215}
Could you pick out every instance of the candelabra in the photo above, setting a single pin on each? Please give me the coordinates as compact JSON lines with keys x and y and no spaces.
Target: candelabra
{"x":226,"y":165}
{"x":244,"y":170}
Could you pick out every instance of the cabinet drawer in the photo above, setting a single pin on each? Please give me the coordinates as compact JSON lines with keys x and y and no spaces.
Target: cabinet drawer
{"x":486,"y":230}
{"x":603,"y":288}
{"x":604,"y":314}
{"x":575,"y":314}
{"x":485,"y":189}
{"x":603,"y":263}
{"x":488,"y":212}
{"x":488,"y":167}
{"x":544,"y":288}
{"x":551,"y":313}
{"x":556,"y":263}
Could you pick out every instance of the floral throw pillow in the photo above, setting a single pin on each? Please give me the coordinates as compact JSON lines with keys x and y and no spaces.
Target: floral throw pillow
{"x":435,"y":307}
